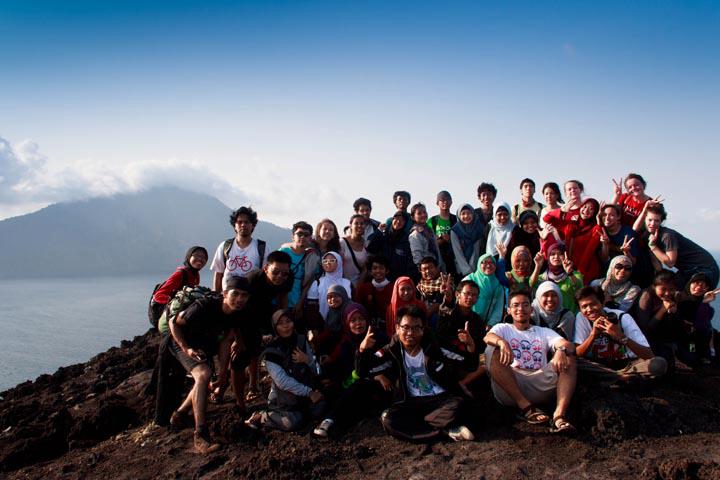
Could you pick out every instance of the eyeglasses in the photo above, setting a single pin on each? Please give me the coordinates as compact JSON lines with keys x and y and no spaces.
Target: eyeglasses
{"x":620,"y":266}
{"x":279,"y":273}
{"x":325,"y":261}
{"x":410,"y":328}
{"x":519,"y":305}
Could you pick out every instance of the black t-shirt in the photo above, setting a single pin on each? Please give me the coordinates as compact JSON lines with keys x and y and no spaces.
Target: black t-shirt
{"x":690,"y":255}
{"x":206,"y":324}
{"x":264,"y":297}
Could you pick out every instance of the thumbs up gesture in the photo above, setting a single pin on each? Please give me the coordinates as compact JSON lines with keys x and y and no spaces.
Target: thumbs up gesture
{"x":369,"y":340}
{"x":464,"y":337}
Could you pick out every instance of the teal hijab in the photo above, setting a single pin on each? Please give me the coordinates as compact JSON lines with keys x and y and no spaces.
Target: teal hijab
{"x":487,"y":285}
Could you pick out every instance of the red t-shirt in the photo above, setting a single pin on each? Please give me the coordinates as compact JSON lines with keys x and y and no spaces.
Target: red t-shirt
{"x":631,"y":208}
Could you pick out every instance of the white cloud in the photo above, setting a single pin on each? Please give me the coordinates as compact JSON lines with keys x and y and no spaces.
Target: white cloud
{"x":26,"y":177}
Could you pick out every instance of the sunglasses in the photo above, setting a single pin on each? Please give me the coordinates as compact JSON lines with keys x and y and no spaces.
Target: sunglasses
{"x":620,"y":267}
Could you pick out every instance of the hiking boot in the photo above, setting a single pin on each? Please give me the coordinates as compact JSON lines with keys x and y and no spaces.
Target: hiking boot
{"x":323,"y":430}
{"x":461,"y":433}
{"x":203,"y":444}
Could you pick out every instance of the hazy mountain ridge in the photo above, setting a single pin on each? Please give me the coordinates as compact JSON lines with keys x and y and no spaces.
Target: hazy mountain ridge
{"x":124,"y":234}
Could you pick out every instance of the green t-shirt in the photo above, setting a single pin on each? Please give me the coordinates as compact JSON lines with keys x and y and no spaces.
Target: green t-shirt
{"x":443,"y":226}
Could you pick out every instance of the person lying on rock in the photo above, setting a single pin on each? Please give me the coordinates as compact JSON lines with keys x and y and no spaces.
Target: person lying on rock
{"x":521,"y":376}
{"x":294,"y":371}
{"x":424,"y":379}
{"x":610,"y":345}
{"x":195,"y":332}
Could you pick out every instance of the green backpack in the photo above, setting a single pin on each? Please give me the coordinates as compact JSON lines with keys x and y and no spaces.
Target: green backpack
{"x":185,"y":297}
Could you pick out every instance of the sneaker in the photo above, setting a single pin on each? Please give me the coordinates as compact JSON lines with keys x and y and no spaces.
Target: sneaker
{"x":323,"y":429}
{"x":203,"y":445}
{"x":461,"y":433}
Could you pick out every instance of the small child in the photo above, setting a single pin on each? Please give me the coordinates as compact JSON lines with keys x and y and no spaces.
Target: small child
{"x":375,"y":294}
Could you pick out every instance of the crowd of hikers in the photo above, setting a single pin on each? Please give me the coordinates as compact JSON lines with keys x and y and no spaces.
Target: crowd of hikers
{"x":413,"y":317}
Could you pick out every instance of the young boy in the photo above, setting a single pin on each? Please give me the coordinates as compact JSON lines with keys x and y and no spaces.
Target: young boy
{"x":527,"y":202}
{"x":441,"y":225}
{"x":375,"y":294}
{"x":430,"y":286}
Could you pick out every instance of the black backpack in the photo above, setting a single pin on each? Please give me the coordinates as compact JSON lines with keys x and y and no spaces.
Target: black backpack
{"x":155,"y":309}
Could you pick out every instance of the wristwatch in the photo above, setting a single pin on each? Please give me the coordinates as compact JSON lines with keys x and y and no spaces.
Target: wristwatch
{"x":565,"y":351}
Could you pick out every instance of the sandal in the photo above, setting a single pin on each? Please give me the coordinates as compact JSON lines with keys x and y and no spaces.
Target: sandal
{"x":561,"y":425}
{"x":252,"y":394}
{"x":217,"y":395}
{"x":254,"y":421}
{"x":533,"y":415}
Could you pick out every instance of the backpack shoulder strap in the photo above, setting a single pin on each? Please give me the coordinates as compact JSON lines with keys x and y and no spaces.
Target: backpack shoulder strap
{"x":434,"y":223}
{"x":227,"y":246}
{"x":352,"y":254}
{"x":261,"y":250}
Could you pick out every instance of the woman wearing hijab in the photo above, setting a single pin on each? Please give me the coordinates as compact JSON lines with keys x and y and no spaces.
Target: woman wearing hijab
{"x":188,"y":274}
{"x":491,"y":298}
{"x":326,"y":336}
{"x":548,"y":310}
{"x":467,"y":238}
{"x":357,"y":396}
{"x":500,"y":230}
{"x":394,"y":245}
{"x":403,"y":296}
{"x":620,"y":293}
{"x":525,"y":234}
{"x":332,"y":266}
{"x":520,"y":268}
{"x":293,"y":368}
{"x":561,"y":271}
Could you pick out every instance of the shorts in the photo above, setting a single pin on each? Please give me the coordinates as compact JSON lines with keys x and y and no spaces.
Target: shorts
{"x":186,"y":360}
{"x":538,"y":386}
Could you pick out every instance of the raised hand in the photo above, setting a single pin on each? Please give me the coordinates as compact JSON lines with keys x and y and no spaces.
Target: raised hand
{"x":465,"y":337}
{"x":625,"y":247}
{"x":539,"y":260}
{"x":501,"y":248}
{"x":604,"y":237}
{"x":598,"y":217}
{"x":369,"y":341}
{"x":618,"y":187}
{"x":711,"y":295}
{"x":567,"y":264}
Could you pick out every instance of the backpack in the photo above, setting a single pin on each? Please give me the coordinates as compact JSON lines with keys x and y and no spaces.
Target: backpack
{"x":185,"y":297}
{"x":227,"y":246}
{"x":155,"y":309}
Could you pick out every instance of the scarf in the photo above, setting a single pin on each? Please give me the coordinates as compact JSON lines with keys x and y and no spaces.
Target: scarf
{"x":190,"y":253}
{"x":551,"y":319}
{"x":610,"y":285}
{"x":426,"y":232}
{"x":517,"y":251}
{"x":351,"y":310}
{"x":380,"y":285}
{"x":396,"y":304}
{"x":487,"y":284}
{"x":334,"y":319}
{"x":584,"y":226}
{"x":555,"y":273}
{"x":468,"y":234}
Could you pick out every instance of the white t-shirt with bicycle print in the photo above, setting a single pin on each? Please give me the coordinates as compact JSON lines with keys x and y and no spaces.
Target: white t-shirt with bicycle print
{"x":240,"y":262}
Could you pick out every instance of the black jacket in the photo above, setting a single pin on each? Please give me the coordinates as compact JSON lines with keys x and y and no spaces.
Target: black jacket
{"x":442,"y":365}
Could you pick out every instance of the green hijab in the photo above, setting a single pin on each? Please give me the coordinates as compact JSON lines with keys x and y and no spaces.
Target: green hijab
{"x":487,"y":285}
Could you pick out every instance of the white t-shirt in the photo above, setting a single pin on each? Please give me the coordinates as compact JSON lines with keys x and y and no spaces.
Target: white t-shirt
{"x":419,"y":383}
{"x":350,"y":271}
{"x":530,"y":347}
{"x":603,"y":342}
{"x":241,"y":261}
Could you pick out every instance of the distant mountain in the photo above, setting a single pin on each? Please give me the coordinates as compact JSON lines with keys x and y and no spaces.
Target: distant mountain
{"x":130,"y":233}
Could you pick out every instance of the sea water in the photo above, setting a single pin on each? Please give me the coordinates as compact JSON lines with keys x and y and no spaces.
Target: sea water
{"x":49,"y":323}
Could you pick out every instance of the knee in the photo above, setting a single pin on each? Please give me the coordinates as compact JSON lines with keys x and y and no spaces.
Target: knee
{"x":657,"y":366}
{"x":202,"y":375}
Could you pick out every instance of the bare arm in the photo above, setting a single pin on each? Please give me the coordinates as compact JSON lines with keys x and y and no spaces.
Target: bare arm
{"x":217,"y":281}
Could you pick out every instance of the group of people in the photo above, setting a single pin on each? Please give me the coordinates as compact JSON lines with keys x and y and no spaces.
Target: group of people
{"x":417,"y":315}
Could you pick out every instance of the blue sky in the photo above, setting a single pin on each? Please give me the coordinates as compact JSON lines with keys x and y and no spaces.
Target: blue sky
{"x":300,"y":107}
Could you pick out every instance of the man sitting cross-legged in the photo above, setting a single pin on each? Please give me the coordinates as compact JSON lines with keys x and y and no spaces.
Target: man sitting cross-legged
{"x":424,"y":378}
{"x":521,"y":376}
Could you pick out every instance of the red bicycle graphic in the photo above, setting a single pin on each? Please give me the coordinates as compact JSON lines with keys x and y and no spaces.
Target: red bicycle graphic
{"x":242,"y":263}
